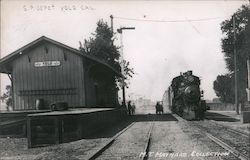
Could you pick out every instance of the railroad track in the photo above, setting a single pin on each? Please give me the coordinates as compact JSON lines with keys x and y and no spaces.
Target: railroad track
{"x":232,"y":130}
{"x":147,"y":146}
{"x":226,"y":145}
{"x":108,"y":144}
{"x":238,"y":154}
{"x":146,"y":149}
{"x":229,"y":148}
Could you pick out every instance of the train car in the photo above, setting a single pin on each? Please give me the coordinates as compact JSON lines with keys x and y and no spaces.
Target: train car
{"x":183,"y":97}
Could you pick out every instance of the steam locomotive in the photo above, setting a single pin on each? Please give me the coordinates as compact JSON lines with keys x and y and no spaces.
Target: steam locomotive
{"x":183,"y":97}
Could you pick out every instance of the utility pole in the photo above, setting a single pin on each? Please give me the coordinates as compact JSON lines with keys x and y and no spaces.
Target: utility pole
{"x":112,"y":30}
{"x":235,"y":69}
{"x":122,"y":70}
{"x":122,"y":58}
{"x":112,"y":27}
{"x":122,"y":61}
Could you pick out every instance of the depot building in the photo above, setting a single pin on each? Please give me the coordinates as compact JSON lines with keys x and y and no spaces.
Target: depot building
{"x":50,"y":71}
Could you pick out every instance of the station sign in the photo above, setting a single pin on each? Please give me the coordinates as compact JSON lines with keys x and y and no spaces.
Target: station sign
{"x":47,"y":64}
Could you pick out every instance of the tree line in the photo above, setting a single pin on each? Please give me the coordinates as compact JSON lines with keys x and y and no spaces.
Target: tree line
{"x":224,"y":84}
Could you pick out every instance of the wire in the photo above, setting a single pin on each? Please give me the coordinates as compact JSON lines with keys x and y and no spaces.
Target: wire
{"x":182,"y":20}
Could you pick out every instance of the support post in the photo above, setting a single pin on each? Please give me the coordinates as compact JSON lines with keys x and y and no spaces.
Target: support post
{"x":29,"y":136}
{"x":248,"y":75}
{"x":235,"y":69}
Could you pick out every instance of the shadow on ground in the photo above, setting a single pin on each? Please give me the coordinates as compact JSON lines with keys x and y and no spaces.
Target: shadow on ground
{"x":116,"y":128}
{"x":220,"y":117}
{"x":152,"y":117}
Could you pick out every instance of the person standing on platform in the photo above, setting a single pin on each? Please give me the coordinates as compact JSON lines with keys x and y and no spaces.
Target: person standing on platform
{"x":133,"y":109}
{"x":129,"y":108}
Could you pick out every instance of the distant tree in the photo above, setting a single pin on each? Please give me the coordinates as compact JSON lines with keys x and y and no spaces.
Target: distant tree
{"x":101,"y":46}
{"x":224,"y":88}
{"x":7,"y":97}
{"x":242,"y":42}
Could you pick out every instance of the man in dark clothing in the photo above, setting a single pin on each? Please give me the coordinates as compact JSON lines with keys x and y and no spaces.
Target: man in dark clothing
{"x":129,"y":108}
{"x":159,"y":108}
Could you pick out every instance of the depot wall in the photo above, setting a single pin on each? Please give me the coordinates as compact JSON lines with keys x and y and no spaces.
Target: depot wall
{"x":63,"y":82}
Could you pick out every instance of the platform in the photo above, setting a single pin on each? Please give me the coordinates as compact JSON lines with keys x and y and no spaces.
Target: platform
{"x":65,"y":126}
{"x":13,"y":123}
{"x":17,"y":115}
{"x":229,"y":119}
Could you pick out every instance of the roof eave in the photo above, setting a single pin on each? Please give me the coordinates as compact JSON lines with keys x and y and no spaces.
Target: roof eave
{"x":14,"y":55}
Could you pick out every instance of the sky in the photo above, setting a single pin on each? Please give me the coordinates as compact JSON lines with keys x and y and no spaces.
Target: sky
{"x":169,"y":37}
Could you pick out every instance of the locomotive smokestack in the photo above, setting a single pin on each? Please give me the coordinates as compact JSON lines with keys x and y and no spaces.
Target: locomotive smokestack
{"x":190,"y":72}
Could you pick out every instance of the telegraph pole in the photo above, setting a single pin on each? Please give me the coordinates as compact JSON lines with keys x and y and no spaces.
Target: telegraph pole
{"x":122,"y":70}
{"x":235,"y":69}
{"x":122,"y":60}
{"x":112,"y":27}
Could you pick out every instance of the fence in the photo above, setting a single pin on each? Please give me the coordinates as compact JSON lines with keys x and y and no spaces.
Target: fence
{"x":221,"y":106}
{"x":226,"y":106}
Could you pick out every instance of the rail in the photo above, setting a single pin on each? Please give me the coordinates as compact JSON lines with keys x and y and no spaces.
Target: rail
{"x":221,"y":143}
{"x":146,"y":148}
{"x":108,"y":143}
{"x":227,"y":147}
{"x":233,"y":130}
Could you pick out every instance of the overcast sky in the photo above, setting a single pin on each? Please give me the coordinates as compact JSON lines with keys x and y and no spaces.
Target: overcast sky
{"x":166,"y":40}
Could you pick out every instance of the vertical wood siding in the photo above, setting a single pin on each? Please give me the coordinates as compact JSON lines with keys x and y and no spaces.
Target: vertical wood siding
{"x":99,"y":91}
{"x":57,"y":83}
{"x":90,"y":91}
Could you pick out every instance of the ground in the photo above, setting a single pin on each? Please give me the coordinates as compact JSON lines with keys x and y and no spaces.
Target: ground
{"x":169,"y":136}
{"x":235,"y":124}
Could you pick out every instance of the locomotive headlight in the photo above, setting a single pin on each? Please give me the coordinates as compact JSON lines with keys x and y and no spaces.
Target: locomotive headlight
{"x":192,"y":93}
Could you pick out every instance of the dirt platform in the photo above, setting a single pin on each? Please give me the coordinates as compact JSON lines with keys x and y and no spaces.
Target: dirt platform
{"x":229,"y":119}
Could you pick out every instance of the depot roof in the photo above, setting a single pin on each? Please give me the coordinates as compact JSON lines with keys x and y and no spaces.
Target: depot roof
{"x":5,"y":62}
